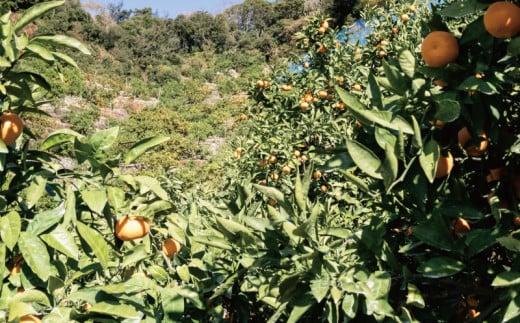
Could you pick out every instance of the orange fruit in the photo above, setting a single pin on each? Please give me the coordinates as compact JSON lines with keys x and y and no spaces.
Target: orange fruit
{"x":322,"y":49}
{"x":304,"y":158}
{"x":272,"y":202}
{"x":170,"y":247}
{"x":132,"y":227}
{"x":516,"y":221}
{"x":440,"y":83}
{"x":272,"y":159}
{"x":439,"y":48}
{"x":357,"y":87}
{"x":324,"y":188}
{"x":322,"y":30}
{"x":304,"y":105}
{"x":494,"y":174}
{"x":260,"y":83}
{"x":323,"y":94}
{"x":381,"y":53}
{"x":411,"y":8}
{"x":87,"y":306}
{"x":325,"y":24}
{"x":437,"y":123}
{"x":472,"y":150}
{"x":460,"y":225}
{"x":395,"y":30}
{"x":502,"y":19}
{"x":243,"y":117}
{"x":238,"y":152}
{"x":286,"y":169}
{"x":274,"y":176}
{"x":297,"y":153}
{"x":306,"y":64}
{"x":11,"y":127}
{"x":405,"y":17}
{"x":472,"y":313}
{"x":262,"y":163}
{"x":317,"y":174}
{"x":29,"y":319}
{"x":444,"y":165}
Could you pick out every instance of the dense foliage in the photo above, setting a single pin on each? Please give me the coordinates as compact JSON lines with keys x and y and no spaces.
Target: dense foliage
{"x":368,"y":182}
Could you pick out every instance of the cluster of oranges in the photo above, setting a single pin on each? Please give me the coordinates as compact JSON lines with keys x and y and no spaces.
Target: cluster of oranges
{"x":11,"y":127}
{"x":130,"y":228}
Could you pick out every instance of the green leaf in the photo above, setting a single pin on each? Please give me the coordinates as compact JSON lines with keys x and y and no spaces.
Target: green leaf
{"x":414,"y":297}
{"x":32,"y":296}
{"x":386,"y":119}
{"x":447,"y":110}
{"x":35,"y":191}
{"x":135,"y":255}
{"x":514,"y":46}
{"x":62,"y":240}
{"x":34,"y":12}
{"x":396,"y":82}
{"x":512,"y":310}
{"x":462,"y":8}
{"x":59,"y":137}
{"x":62,"y":40}
{"x":365,"y":159}
{"x":435,"y":232}
{"x":104,"y":139}
{"x":40,"y":51}
{"x":373,"y":92}
{"x":143,"y":146}
{"x":233,"y":227}
{"x":35,"y":254}
{"x":350,"y":305}
{"x":172,"y":304}
{"x":65,"y":58}
{"x":510,"y":243}
{"x":116,"y":197}
{"x":417,"y":137}
{"x":379,"y":285}
{"x":96,"y":199}
{"x":18,"y":309}
{"x":300,"y":306}
{"x":115,"y":309}
{"x":96,"y":242}
{"x":11,"y":226}
{"x":212,"y":241}
{"x":320,"y":286}
{"x":45,"y":220}
{"x":390,"y":166}
{"x":506,"y":279}
{"x":478,"y":84}
{"x":147,"y":183}
{"x":428,"y":159}
{"x":407,"y":63}
{"x":308,"y":229}
{"x":360,"y":183}
{"x":440,"y":267}
{"x":70,"y":206}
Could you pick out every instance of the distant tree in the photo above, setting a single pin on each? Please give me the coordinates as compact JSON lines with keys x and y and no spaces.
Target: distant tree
{"x":15,"y":5}
{"x":117,"y":13}
{"x":252,"y":15}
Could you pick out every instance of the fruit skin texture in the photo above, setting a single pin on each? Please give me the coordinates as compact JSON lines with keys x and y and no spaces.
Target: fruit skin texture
{"x":29,"y":319}
{"x":11,"y":127}
{"x":502,"y":19}
{"x":170,"y":247}
{"x":439,"y":49}
{"x":464,"y":136}
{"x":460,"y":225}
{"x":130,"y":227}
{"x":444,"y":165}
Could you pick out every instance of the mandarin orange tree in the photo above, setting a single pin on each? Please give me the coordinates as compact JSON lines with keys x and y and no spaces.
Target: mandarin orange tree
{"x":413,"y":225}
{"x":61,"y":259}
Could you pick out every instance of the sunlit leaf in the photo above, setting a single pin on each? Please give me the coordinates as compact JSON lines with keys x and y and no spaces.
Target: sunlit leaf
{"x":143,"y":146}
{"x":35,"y":254}
{"x":365,"y":159}
{"x":96,"y":242}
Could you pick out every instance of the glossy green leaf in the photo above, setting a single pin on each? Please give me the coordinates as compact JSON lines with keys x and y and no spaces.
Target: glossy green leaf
{"x":139,"y":148}
{"x":301,"y":306}
{"x":462,"y":8}
{"x":96,"y":199}
{"x":35,"y":191}
{"x":359,"y":182}
{"x":428,"y":159}
{"x":115,"y":309}
{"x":447,"y":110}
{"x":172,"y":304}
{"x":62,"y":40}
{"x":373,"y":92}
{"x":212,"y":241}
{"x":158,"y":273}
{"x":96,"y":242}
{"x":59,"y":137}
{"x":135,"y":255}
{"x":45,"y":220}
{"x":414,"y":297}
{"x":512,"y":310}
{"x":233,"y":227}
{"x":385,"y":138}
{"x":35,"y":254}
{"x":32,"y":296}
{"x":417,"y":136}
{"x":435,"y":233}
{"x":308,"y":229}
{"x":70,"y":205}
{"x":65,"y":58}
{"x":18,"y":309}
{"x":397,"y":83}
{"x":104,"y":139}
{"x":116,"y":197}
{"x":386,"y":119}
{"x":365,"y":159}
{"x":34,"y":12}
{"x":350,"y":305}
{"x":147,"y":183}
{"x":320,"y":286}
{"x":478,"y":84}
{"x":440,"y":267}
{"x":506,"y":279}
{"x":407,"y":63}
{"x":11,"y":226}
{"x":63,"y":241}
{"x":510,"y":243}
{"x":390,"y":166}
{"x":40,"y":51}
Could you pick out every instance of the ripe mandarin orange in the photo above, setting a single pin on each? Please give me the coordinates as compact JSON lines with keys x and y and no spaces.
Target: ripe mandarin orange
{"x":11,"y":127}
{"x":170,"y":247}
{"x":439,"y":49}
{"x":132,"y":227}
{"x":444,"y":165}
{"x":502,"y":19}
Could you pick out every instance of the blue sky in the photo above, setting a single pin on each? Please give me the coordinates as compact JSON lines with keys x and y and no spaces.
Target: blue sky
{"x":172,"y":8}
